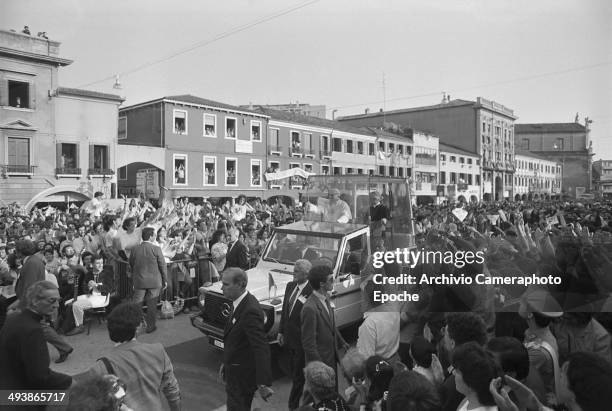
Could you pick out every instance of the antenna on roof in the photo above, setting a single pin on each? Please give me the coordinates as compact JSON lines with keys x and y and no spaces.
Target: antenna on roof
{"x":117,"y":84}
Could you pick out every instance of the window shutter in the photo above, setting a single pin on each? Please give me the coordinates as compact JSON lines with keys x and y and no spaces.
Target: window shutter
{"x":32,"y":90}
{"x":78,"y":156}
{"x":91,"y":156}
{"x":58,"y":156}
{"x":4,"y":101}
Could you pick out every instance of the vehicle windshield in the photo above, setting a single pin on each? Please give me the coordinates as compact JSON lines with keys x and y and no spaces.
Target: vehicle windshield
{"x":288,"y":248}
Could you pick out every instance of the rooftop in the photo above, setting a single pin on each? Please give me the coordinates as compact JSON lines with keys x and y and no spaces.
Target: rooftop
{"x":310,"y":121}
{"x":198,"y":101}
{"x":452,"y":103}
{"x":386,"y":133}
{"x":549,"y":128}
{"x":65,"y":91}
{"x":447,"y":148}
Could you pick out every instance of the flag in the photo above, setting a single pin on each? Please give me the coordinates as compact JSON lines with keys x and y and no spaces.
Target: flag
{"x":271,"y":283}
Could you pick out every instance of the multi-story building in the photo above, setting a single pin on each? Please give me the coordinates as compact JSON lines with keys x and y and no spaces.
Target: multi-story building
{"x":536,"y":177}
{"x":566,"y":143}
{"x":602,"y":177}
{"x":459,"y":174}
{"x":482,"y":126}
{"x":197,"y":146}
{"x":304,"y":109}
{"x":56,"y":144}
{"x":394,"y":153}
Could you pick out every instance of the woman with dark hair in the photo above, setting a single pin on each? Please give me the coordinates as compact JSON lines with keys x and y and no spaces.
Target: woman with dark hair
{"x":474,"y":369}
{"x":426,"y":363}
{"x":146,"y":369}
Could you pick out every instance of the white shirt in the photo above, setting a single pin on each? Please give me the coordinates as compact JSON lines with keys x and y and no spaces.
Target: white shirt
{"x":379,"y":334}
{"x":464,"y":407}
{"x":299,"y":288}
{"x":238,"y":300}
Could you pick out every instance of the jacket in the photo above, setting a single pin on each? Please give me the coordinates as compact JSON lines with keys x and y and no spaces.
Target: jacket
{"x":148,"y":266}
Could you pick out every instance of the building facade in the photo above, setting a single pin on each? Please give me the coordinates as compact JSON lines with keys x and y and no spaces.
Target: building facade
{"x":482,"y":126}
{"x":56,"y":144}
{"x":566,"y":143}
{"x":197,"y":146}
{"x":536,"y":177}
{"x":459,"y":174}
{"x":303,"y":109}
{"x":602,"y":177}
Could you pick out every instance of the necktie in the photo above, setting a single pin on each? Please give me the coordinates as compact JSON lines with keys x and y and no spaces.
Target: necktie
{"x":294,"y":296}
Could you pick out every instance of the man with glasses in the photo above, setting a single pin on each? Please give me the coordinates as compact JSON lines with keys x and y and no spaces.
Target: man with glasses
{"x":23,"y":348}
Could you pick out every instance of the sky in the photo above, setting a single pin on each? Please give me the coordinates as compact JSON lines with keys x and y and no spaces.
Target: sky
{"x":545,"y":59}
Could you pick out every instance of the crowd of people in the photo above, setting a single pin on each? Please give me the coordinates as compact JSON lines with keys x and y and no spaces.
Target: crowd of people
{"x":459,"y":347}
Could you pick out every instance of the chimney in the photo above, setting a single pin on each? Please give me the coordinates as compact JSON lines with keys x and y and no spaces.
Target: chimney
{"x":367,"y":110}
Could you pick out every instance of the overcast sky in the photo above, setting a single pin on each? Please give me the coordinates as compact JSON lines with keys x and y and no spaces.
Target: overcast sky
{"x":545,"y":59}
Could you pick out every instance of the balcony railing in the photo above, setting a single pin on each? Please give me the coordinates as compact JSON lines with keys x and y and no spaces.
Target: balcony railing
{"x":100,"y":172}
{"x":67,"y":171}
{"x":17,"y":169}
{"x":295,"y":151}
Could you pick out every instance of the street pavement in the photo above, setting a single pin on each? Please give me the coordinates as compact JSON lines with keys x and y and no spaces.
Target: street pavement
{"x":196,"y":363}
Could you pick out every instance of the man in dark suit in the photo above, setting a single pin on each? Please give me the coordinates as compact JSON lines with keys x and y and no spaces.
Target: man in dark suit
{"x":148,"y":274}
{"x":23,"y":349}
{"x":320,"y":338}
{"x":246,"y":356}
{"x":237,"y":252}
{"x":289,"y":330}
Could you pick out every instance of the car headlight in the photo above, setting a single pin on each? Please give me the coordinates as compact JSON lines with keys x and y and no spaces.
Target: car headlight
{"x":202,"y":298}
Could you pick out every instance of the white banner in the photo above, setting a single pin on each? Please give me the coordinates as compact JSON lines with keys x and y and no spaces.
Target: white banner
{"x":292,"y":172}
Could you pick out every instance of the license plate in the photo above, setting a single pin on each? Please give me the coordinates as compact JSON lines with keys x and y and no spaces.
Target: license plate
{"x":218,"y":343}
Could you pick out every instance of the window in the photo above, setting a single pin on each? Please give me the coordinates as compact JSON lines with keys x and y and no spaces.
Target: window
{"x":123,"y":173}
{"x":67,"y":158}
{"x":461,"y":160}
{"x":18,"y":155}
{"x":122,"y":128}
{"x":179,"y":121}
{"x":426,"y":156}
{"x":371,"y":171}
{"x":19,"y":94}
{"x":360,"y":171}
{"x":381,"y":170}
{"x":400,"y":171}
{"x":348,"y":170}
{"x":325,"y":170}
{"x":325,"y":144}
{"x":360,"y":147}
{"x":559,"y":144}
{"x":337,"y":144}
{"x":453,"y":178}
{"x":484,"y":126}
{"x":337,"y":171}
{"x":442,"y":177}
{"x":180,"y":169}
{"x":400,"y":149}
{"x":273,"y":139}
{"x":308,"y":168}
{"x":391,"y":171}
{"x":274,"y":166}
{"x":371,"y":149}
{"x":296,"y":143}
{"x":442,"y":157}
{"x":381,"y":146}
{"x":98,"y":160}
{"x":307,"y":143}
{"x":231,"y":172}
{"x":391,"y":147}
{"x":256,"y":130}
{"x":469,"y":161}
{"x":210,"y":171}
{"x":256,"y":173}
{"x":349,"y":146}
{"x":231,"y":125}
{"x":477,"y":177}
{"x":210,"y":125}
{"x":453,"y":159}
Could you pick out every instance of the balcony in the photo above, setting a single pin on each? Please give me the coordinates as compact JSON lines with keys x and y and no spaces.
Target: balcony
{"x":100,"y":172}
{"x":275,"y":150}
{"x":309,"y":153}
{"x":17,"y":170}
{"x":67,"y":172}
{"x":326,"y":154}
{"x":296,"y":152}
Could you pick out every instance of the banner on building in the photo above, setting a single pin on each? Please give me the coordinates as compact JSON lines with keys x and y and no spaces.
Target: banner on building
{"x":292,"y":172}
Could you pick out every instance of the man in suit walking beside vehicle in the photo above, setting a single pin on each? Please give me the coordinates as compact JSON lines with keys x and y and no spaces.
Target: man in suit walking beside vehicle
{"x":320,"y":338}
{"x":246,"y":355}
{"x":237,"y":252}
{"x":148,"y":274}
{"x":289,"y":331}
